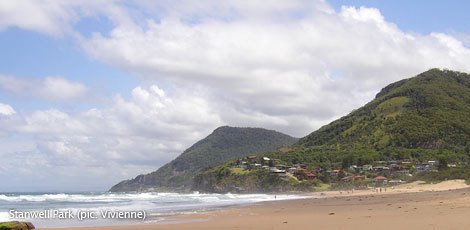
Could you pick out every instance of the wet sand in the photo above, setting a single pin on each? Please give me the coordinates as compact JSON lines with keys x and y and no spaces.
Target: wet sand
{"x":416,"y":206}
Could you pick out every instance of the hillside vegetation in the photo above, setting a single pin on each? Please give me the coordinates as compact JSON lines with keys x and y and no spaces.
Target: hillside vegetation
{"x":422,"y":118}
{"x":417,"y":120}
{"x":225,"y":143}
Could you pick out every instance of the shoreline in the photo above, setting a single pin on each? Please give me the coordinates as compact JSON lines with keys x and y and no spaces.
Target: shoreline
{"x":441,"y":206}
{"x":416,"y":186}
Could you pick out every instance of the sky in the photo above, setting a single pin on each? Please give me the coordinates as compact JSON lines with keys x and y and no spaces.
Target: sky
{"x":94,"y":92}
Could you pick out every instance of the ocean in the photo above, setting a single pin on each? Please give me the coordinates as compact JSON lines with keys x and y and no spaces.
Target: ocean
{"x":106,"y":209}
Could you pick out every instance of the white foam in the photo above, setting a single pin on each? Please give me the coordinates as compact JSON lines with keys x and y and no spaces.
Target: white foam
{"x":142,"y":197}
{"x":155,"y":204}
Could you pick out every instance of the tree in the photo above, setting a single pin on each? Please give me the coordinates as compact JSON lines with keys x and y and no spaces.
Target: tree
{"x":443,"y":163}
{"x":271,"y":163}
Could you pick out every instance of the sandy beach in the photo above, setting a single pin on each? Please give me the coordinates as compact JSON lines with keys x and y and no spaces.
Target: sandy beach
{"x":409,"y":206}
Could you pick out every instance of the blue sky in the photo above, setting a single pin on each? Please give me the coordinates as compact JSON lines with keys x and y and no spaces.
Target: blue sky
{"x":107,"y":90}
{"x":32,"y":55}
{"x":419,"y":16}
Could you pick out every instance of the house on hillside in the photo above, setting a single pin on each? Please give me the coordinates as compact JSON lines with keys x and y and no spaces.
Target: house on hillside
{"x":276,"y":170}
{"x":251,"y":158}
{"x":334,"y":173}
{"x":292,"y":170}
{"x":242,"y":166}
{"x":310,"y":176}
{"x":285,"y":167}
{"x":421,"y":168}
{"x":303,"y":174}
{"x":381,"y":169}
{"x":367,"y":168}
{"x":279,"y":172}
{"x":380,"y":180}
{"x":354,"y":168}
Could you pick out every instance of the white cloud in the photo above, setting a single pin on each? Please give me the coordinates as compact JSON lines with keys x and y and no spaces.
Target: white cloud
{"x":52,"y":88}
{"x":292,"y":73}
{"x":6,"y":110}
{"x":60,"y":88}
{"x":129,"y":136}
{"x":57,"y":18}
{"x":44,"y":16}
{"x":277,"y":64}
{"x":151,"y":116}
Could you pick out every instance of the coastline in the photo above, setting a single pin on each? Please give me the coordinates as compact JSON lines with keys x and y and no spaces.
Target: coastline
{"x":407,"y":206}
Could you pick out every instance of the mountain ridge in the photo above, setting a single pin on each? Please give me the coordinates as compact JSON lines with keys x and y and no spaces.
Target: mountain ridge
{"x":224,"y":143}
{"x":417,"y":120}
{"x":419,"y":99}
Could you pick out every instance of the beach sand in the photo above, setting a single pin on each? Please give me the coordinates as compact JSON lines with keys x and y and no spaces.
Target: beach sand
{"x":410,"y":206}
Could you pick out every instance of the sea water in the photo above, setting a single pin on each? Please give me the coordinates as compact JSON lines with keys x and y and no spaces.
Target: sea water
{"x":104,"y":208}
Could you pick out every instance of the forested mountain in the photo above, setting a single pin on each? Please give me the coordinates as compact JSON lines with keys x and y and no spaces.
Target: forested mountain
{"x":427,"y":116}
{"x":420,"y":119}
{"x":225,"y":143}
